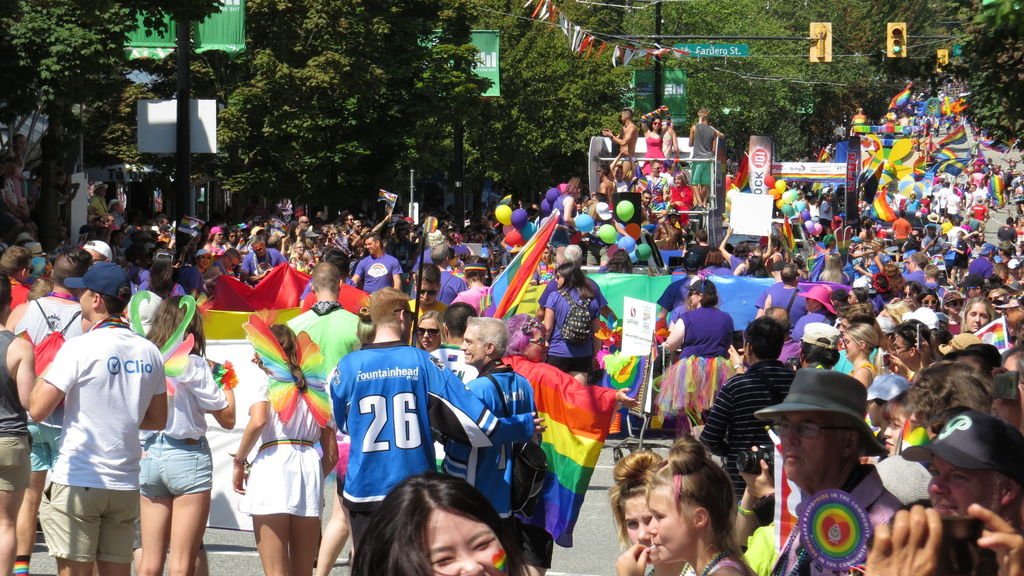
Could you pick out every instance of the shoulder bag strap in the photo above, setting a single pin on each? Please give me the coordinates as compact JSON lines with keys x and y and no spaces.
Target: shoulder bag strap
{"x":501,"y":394}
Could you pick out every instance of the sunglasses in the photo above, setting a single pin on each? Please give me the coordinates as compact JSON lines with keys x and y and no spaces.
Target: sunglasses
{"x":430,"y":292}
{"x":428,"y":331}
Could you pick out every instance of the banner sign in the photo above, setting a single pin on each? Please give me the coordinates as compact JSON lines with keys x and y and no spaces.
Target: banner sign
{"x":823,"y":172}
{"x":488,"y":42}
{"x":638,"y":317}
{"x":224,"y":31}
{"x":673,"y":93}
{"x":760,"y":163}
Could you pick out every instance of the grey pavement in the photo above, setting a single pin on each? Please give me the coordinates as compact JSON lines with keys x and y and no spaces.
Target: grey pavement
{"x":596,"y":546}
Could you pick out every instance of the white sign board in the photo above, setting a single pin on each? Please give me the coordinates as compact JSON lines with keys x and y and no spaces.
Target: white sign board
{"x":638,"y":318}
{"x":751,"y":214}
{"x":157,"y":121}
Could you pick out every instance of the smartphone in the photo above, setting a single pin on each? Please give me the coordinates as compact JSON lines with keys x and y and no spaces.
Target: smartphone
{"x":960,"y":554}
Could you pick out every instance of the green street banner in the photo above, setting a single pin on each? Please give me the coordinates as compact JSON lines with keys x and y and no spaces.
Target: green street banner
{"x":488,"y":42}
{"x":224,"y":31}
{"x":673,"y":93}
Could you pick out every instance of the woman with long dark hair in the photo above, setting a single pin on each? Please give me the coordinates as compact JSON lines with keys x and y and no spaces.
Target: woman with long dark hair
{"x":161,"y":277}
{"x":436,"y":524}
{"x":570,"y":350}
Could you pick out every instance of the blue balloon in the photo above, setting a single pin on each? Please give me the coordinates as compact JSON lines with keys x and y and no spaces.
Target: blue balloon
{"x":484,"y":252}
{"x":632,"y":257}
{"x":528,"y":230}
{"x":584,"y":223}
{"x":552,"y":195}
{"x":627,"y":243}
{"x":800,"y":205}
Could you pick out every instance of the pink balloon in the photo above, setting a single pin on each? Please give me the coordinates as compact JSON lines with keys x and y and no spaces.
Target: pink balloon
{"x":562,"y":187}
{"x":817,"y":229}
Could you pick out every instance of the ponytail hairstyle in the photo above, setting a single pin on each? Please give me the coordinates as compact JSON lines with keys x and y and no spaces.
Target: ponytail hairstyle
{"x":289,"y":343}
{"x":696,"y":480}
{"x":632,"y":477}
{"x":365,"y":331}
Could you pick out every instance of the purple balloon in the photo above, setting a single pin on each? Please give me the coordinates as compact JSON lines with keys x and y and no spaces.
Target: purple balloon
{"x":545,"y":207}
{"x":520,"y":218}
{"x":552,"y":196}
{"x":805,"y":215}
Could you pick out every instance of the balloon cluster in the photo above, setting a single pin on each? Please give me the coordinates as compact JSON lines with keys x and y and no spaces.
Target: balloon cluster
{"x":793,"y":207}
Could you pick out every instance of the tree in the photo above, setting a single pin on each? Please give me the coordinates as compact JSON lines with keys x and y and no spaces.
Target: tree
{"x":993,"y":63}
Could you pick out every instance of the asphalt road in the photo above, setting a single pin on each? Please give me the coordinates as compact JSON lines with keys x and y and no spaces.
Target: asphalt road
{"x":596,"y":546}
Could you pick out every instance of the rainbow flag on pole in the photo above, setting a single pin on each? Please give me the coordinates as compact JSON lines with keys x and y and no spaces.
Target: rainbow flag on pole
{"x":389,"y":198}
{"x":508,"y":288}
{"x":742,"y":178}
{"x":996,"y":188}
{"x":577,"y":419}
{"x":882,"y":208}
{"x":995,"y":333}
{"x":902,"y":99}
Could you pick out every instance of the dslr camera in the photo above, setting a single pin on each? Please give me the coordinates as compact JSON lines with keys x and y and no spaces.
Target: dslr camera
{"x":749,"y":461}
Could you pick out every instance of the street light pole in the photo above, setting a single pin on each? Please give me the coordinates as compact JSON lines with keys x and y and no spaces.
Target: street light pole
{"x":183,"y":152}
{"x":659,"y":82}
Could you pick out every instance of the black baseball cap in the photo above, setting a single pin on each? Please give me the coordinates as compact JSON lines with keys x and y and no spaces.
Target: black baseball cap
{"x":976,"y":441}
{"x":972,"y":281}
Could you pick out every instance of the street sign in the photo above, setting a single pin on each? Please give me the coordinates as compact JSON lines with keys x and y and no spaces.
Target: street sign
{"x":713,"y":50}
{"x":958,"y":50}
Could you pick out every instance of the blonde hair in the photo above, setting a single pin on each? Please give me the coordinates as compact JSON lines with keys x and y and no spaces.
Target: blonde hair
{"x":632,"y":477}
{"x":896,"y":310}
{"x":866,"y":334}
{"x":385,"y":305}
{"x":696,"y":480}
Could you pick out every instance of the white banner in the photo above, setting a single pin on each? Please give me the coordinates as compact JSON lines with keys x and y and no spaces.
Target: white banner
{"x":751,"y":214}
{"x":638,"y":318}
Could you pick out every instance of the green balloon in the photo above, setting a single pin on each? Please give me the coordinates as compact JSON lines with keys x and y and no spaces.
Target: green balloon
{"x":643,"y":252}
{"x":624,"y":210}
{"x":607,"y":234}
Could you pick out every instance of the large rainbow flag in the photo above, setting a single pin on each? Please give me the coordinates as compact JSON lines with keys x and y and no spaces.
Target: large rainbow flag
{"x":882,"y":208}
{"x":508,"y":288}
{"x":901,"y":99}
{"x":742,"y":178}
{"x":995,"y":333}
{"x":577,"y":419}
{"x":997,"y":187}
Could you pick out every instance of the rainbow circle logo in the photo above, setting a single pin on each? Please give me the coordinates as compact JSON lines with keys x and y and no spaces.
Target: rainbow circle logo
{"x":835,"y":530}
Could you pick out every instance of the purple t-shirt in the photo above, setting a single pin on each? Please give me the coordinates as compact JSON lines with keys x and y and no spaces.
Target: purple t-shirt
{"x":798,"y":327}
{"x":559,"y":347}
{"x":451,"y":285}
{"x":375,"y":273}
{"x":780,"y":299}
{"x":251,"y":264}
{"x":981,"y":266}
{"x":915,"y":276}
{"x":708,"y":333}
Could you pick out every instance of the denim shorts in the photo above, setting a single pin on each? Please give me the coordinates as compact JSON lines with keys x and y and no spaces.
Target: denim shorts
{"x":172,"y":467}
{"x":45,"y":446}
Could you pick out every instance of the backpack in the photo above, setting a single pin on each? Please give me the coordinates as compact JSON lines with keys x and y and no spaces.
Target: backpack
{"x":578,"y":325}
{"x":46,"y":350}
{"x":529,"y":467}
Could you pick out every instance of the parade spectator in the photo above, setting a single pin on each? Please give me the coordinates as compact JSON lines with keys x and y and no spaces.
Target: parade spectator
{"x":824,"y":435}
{"x":945,"y":386}
{"x":476,"y":275}
{"x":819,"y":346}
{"x":785,"y":294}
{"x":819,"y":307}
{"x":90,"y":512}
{"x":99,"y":250}
{"x":328,"y":324}
{"x":428,"y":332}
{"x":385,"y":389}
{"x":453,"y":329}
{"x":730,"y":426}
{"x":378,"y":269}
{"x":572,"y":354}
{"x":260,"y":260}
{"x":982,"y":265}
{"x":429,"y":289}
{"x":860,"y":342}
{"x":15,"y":263}
{"x":977,"y":312}
{"x":632,"y":479}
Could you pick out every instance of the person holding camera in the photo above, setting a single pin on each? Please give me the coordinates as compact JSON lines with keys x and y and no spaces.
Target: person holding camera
{"x":731,"y":429}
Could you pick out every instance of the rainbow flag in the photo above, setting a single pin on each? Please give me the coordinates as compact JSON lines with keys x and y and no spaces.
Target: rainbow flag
{"x":787,"y":234}
{"x":902,"y":99}
{"x":577,"y":419}
{"x":956,"y":137}
{"x":508,"y":288}
{"x":882,"y":208}
{"x":995,"y":333}
{"x":994,"y":145}
{"x":742,"y":178}
{"x":389,"y":198}
{"x":997,"y":188}
{"x":824,"y":156}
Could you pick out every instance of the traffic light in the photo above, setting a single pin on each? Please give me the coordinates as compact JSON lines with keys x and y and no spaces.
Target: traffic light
{"x":896,"y":40}
{"x":821,"y":42}
{"x":941,"y":58}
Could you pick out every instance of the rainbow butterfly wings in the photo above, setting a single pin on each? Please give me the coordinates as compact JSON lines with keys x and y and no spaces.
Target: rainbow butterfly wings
{"x":283,"y":392}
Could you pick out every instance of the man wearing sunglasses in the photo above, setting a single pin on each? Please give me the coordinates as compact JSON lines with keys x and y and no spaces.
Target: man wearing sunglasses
{"x":429,"y":288}
{"x":824,"y":435}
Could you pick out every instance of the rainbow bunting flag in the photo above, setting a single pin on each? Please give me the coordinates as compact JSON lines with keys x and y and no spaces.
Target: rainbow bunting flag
{"x":996,"y":188}
{"x":995,"y":333}
{"x":882,"y":208}
{"x":577,"y":419}
{"x":508,"y":288}
{"x":902,"y":99}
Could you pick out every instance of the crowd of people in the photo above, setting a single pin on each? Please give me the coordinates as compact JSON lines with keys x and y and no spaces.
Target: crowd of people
{"x":883,"y":359}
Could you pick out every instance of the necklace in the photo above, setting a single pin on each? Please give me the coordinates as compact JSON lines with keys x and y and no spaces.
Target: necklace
{"x":714,"y":562}
{"x":110,"y":322}
{"x":68,"y":297}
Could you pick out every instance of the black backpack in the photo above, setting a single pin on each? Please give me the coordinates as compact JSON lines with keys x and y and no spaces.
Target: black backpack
{"x":578,"y":326}
{"x":529,"y":467}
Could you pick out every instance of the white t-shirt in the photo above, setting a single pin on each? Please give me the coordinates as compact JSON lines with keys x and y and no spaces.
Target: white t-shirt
{"x":56,"y":314}
{"x":195,"y":394}
{"x":109,"y":375}
{"x":455,"y":360}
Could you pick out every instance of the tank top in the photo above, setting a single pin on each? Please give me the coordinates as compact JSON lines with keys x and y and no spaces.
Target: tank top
{"x":703,"y":141}
{"x":13,"y":420}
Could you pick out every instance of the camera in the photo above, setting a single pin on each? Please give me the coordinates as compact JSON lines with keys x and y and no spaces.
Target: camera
{"x":749,"y":461}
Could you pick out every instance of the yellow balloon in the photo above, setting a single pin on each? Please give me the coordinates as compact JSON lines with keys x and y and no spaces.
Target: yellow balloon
{"x":780,"y":185}
{"x":503,"y":214}
{"x":780,"y":204}
{"x":776,"y":193}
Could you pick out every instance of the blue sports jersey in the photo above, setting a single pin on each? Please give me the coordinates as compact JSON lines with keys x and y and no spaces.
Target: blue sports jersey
{"x":387,"y":397}
{"x":489,"y":469}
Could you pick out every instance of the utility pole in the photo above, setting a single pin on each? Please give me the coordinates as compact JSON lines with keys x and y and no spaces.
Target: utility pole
{"x":659,"y":82}
{"x":183,"y":153}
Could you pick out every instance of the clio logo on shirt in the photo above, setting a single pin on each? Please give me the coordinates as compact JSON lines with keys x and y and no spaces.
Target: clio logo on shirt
{"x":115,"y":365}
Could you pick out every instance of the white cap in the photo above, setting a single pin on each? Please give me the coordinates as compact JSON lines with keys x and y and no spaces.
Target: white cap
{"x":821,"y":334}
{"x":604,"y":212}
{"x":100,"y":247}
{"x":925,"y":316}
{"x":862,"y":282}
